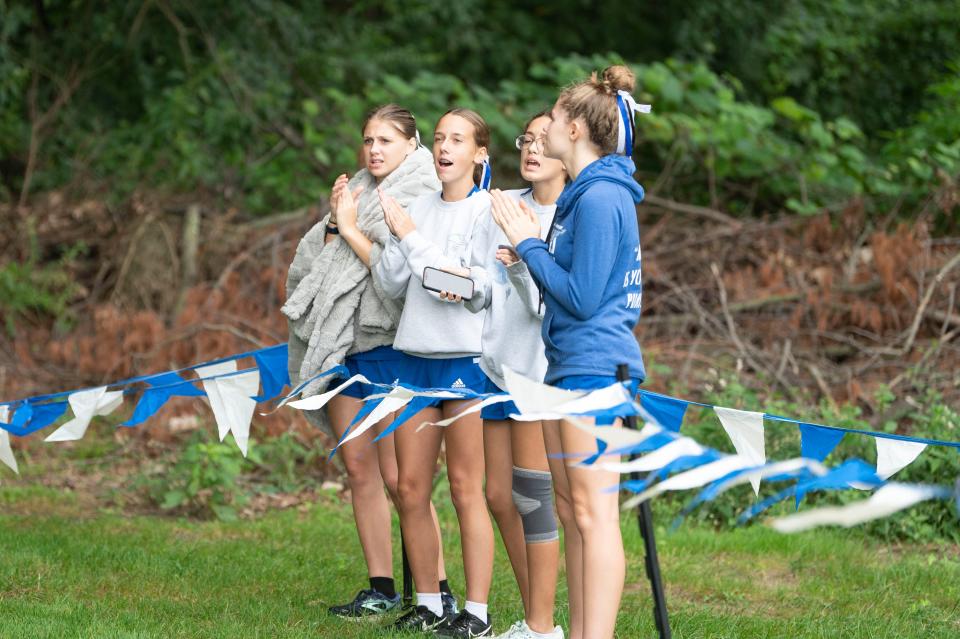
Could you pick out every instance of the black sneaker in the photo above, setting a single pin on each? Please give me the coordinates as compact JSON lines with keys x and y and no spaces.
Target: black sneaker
{"x":450,"y":609}
{"x":465,"y":626}
{"x":419,"y":618}
{"x":367,"y":604}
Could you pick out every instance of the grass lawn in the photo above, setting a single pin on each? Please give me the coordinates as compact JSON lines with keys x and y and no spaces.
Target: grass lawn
{"x":68,"y":569}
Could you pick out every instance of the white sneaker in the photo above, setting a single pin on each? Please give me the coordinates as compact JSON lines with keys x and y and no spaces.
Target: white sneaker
{"x":520,"y":630}
{"x":511,"y":633}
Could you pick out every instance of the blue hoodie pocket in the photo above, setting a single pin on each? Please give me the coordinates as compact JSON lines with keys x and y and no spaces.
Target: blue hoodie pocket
{"x":547,"y":325}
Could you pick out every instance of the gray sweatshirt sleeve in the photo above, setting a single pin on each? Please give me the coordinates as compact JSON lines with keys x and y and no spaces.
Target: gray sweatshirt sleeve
{"x":482,"y":290}
{"x":519,"y":275}
{"x":391,"y":272}
{"x":482,"y":284}
{"x":421,"y":253}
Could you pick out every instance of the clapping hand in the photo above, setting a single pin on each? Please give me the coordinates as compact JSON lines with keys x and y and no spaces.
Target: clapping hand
{"x":338,"y":188}
{"x":397,"y":219}
{"x":517,"y":220}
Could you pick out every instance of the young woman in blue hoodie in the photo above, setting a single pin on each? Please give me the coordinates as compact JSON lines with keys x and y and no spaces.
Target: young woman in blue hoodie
{"x":588,"y":271}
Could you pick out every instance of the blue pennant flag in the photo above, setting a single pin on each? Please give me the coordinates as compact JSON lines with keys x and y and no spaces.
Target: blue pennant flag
{"x":817,"y":442}
{"x":170,"y":385}
{"x":668,"y":411}
{"x":678,"y":465}
{"x":764,"y":504}
{"x":592,"y":459}
{"x":713,"y":490}
{"x":365,"y":410}
{"x":649,"y":444}
{"x":416,"y":405}
{"x":850,"y":472}
{"x":30,"y":418}
{"x":274,"y":374}
{"x":840,"y":478}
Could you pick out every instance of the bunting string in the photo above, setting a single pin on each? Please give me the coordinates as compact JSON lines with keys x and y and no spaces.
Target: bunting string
{"x":673,"y":462}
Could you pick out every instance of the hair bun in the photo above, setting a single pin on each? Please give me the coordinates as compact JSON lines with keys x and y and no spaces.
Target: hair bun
{"x":619,"y":78}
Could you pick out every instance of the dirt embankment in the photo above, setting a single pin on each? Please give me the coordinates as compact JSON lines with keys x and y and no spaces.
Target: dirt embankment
{"x":823,"y":307}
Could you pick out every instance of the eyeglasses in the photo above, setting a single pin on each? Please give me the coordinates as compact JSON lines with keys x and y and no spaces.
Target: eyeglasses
{"x":524,"y":142}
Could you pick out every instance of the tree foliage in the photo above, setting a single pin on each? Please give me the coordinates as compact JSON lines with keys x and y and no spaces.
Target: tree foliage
{"x":256,"y":104}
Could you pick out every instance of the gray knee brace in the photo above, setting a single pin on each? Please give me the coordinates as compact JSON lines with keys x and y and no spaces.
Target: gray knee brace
{"x":533,"y":495}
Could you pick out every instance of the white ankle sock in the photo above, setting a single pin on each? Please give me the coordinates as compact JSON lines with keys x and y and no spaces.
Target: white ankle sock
{"x":431,"y":601}
{"x":539,"y":635}
{"x":478,"y":610}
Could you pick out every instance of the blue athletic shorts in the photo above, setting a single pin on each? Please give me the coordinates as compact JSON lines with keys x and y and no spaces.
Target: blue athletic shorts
{"x":595,"y":382}
{"x":456,"y":372}
{"x":499,"y":412}
{"x":382,"y":365}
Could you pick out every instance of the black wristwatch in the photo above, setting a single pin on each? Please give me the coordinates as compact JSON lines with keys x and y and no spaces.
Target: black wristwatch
{"x":332,"y":229}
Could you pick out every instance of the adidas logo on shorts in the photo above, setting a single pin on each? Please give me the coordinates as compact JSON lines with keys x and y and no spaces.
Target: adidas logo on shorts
{"x":458,"y":384}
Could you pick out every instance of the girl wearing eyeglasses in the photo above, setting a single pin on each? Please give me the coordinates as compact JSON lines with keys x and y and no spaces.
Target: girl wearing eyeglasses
{"x":519,"y":490}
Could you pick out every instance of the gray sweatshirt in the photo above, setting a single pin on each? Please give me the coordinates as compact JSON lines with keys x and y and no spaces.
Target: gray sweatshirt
{"x":511,"y":330}
{"x":431,"y":327}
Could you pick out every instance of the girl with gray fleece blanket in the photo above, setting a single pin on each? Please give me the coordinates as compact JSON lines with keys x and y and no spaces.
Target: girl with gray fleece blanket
{"x":338,"y":314}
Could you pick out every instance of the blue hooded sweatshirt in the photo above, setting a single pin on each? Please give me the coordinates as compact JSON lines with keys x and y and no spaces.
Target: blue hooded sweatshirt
{"x":588,"y":271}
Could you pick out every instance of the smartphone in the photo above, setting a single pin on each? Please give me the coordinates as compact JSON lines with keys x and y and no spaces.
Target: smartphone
{"x":436,"y":280}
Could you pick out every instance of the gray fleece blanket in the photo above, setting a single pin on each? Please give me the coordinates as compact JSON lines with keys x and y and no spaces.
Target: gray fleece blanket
{"x":334,"y":307}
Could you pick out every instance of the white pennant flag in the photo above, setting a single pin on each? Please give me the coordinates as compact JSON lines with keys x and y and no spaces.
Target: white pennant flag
{"x":85,"y":405}
{"x":395,"y":400}
{"x":316,"y":402}
{"x":745,"y":429}
{"x":616,"y":438}
{"x":473,"y":408}
{"x":230,"y":399}
{"x":775,"y":468}
{"x":656,"y":460}
{"x":893,"y":455}
{"x":694,"y":478}
{"x":6,"y":453}
{"x":534,"y":397}
{"x":889,"y":499}
{"x":609,"y":397}
{"x":237,"y":393}
{"x":212,"y":389}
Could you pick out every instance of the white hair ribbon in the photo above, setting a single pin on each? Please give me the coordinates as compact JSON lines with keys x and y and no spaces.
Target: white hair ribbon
{"x":627,"y":107}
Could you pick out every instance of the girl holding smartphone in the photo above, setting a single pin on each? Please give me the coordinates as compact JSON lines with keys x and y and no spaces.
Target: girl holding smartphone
{"x":443,"y":342}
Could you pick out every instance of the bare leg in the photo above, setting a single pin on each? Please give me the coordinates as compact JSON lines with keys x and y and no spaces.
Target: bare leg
{"x":573,"y":545}
{"x":465,"y":465}
{"x":597,"y":515}
{"x":543,"y":559}
{"x":388,"y":470}
{"x":371,"y":510}
{"x":498,"y":460}
{"x":417,"y":454}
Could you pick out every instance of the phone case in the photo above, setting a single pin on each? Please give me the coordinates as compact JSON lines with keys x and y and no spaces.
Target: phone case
{"x":438,"y":280}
